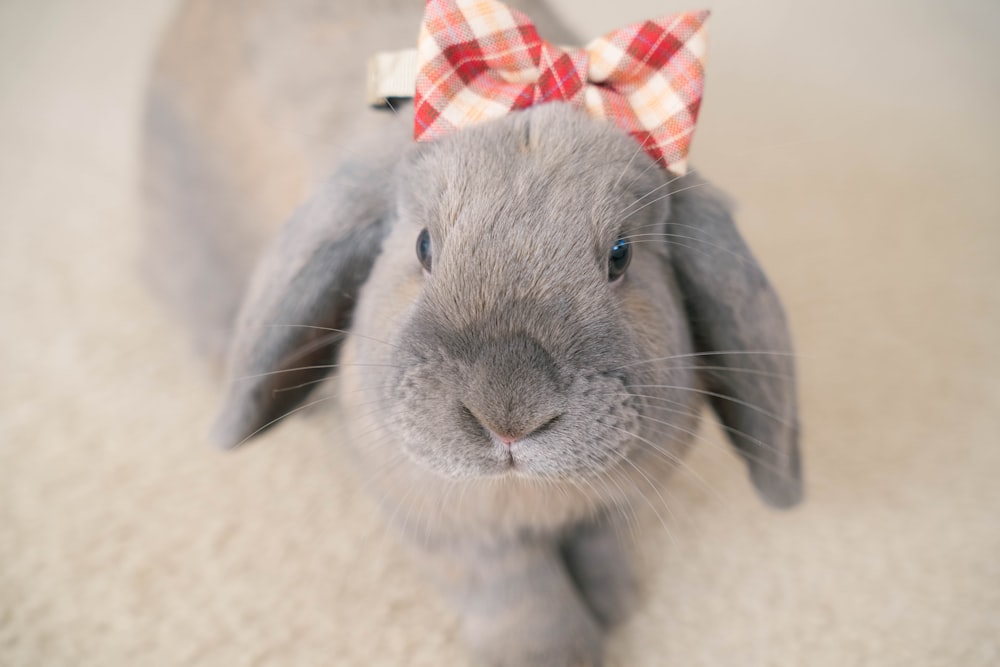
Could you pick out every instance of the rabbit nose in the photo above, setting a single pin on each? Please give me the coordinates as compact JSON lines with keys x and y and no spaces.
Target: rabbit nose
{"x":513,"y":389}
{"x":509,"y":434}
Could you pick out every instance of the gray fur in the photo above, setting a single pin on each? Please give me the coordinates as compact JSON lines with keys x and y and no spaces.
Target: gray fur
{"x":310,"y":276}
{"x":733,"y":308}
{"x":515,"y":334}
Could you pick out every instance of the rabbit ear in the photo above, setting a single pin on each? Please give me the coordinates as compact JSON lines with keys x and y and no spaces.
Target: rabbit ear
{"x":741,"y":336}
{"x":300,"y":300}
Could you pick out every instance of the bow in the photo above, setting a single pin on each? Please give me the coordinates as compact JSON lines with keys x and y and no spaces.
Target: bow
{"x":479,"y":59}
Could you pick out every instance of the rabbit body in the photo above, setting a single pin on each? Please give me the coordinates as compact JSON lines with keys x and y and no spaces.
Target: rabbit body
{"x":509,"y":402}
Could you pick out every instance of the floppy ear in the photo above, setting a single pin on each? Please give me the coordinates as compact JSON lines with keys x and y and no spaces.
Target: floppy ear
{"x":741,"y":336}
{"x":304,"y":286}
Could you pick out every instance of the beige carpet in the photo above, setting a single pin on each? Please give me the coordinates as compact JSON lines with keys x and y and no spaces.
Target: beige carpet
{"x":861,"y":140}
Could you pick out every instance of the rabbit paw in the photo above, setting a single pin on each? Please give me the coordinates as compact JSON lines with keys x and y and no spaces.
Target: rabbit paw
{"x":553,"y":641}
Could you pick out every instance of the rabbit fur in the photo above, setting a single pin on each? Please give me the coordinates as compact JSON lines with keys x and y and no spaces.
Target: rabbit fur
{"x":514,"y":333}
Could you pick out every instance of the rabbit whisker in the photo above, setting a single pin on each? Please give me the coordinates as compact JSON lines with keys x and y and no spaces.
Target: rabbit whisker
{"x":734,"y":369}
{"x":625,"y":211}
{"x":714,"y":394}
{"x":315,"y":367}
{"x":641,"y":147}
{"x":650,"y":236}
{"x":655,"y":488}
{"x":719,"y":353}
{"x":617,"y":501}
{"x":275,"y":392}
{"x":669,"y":457}
{"x":278,"y":419}
{"x":715,"y":443}
{"x":344,"y":332}
{"x":666,"y":196}
{"x":723,"y":502}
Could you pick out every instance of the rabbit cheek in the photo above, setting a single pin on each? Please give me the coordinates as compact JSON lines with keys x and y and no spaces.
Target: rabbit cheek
{"x":434,"y":425}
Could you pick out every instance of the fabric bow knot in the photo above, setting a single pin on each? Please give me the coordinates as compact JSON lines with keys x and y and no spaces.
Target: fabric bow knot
{"x":479,"y":59}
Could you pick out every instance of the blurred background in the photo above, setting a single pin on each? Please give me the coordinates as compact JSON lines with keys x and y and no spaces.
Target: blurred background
{"x":860,"y":140}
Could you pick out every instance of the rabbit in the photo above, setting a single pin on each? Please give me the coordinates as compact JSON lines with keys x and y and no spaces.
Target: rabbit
{"x":522,"y":319}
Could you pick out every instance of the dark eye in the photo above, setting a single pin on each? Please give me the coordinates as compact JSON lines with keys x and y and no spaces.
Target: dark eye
{"x":424,"y":249}
{"x":618,"y":259}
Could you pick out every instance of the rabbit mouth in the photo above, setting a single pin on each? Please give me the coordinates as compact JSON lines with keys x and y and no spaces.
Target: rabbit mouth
{"x":580,"y":428}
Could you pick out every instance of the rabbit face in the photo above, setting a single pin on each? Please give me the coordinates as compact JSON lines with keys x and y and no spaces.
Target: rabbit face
{"x":523,"y":329}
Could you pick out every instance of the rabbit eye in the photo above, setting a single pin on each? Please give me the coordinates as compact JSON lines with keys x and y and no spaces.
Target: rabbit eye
{"x":618,"y":259}
{"x":424,"y":249}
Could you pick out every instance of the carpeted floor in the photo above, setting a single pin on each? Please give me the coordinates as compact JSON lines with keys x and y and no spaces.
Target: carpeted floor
{"x":861,"y":140}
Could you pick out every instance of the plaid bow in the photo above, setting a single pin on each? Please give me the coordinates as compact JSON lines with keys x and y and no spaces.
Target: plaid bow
{"x":479,"y":60}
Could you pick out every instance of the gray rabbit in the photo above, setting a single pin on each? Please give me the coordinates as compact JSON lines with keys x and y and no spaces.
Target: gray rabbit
{"x":530,"y":332}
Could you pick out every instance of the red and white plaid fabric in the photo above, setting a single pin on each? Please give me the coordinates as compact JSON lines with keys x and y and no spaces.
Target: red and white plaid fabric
{"x":479,"y":60}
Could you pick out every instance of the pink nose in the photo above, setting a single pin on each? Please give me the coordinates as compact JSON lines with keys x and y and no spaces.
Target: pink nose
{"x":505,"y":438}
{"x":509,"y":434}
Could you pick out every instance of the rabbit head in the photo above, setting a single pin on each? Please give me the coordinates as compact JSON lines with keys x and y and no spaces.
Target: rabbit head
{"x":530,"y":297}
